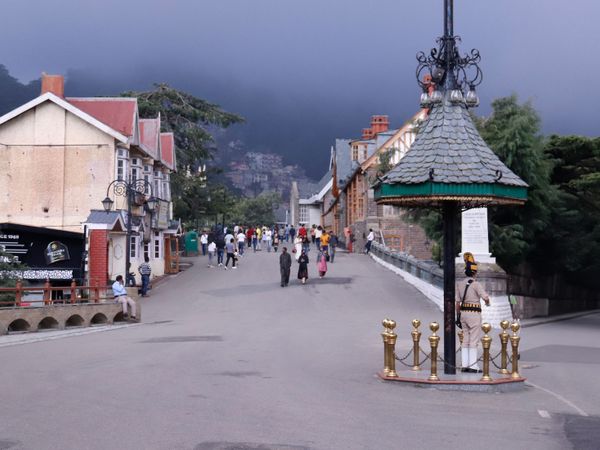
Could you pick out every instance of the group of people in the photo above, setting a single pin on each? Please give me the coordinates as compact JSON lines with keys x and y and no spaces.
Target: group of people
{"x":325,"y":242}
{"x":225,"y":246}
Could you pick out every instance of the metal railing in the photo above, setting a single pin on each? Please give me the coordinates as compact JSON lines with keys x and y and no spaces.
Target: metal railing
{"x":427,"y":271}
{"x":76,"y":294}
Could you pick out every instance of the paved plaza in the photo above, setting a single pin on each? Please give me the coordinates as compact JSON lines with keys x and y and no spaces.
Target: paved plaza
{"x":230,"y":360}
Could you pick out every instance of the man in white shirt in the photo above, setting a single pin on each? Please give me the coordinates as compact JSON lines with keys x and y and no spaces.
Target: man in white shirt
{"x":241,"y":240}
{"x":121,"y":296}
{"x":318,"y":234}
{"x":370,"y":239}
{"x":268,"y":238}
{"x":204,"y":242}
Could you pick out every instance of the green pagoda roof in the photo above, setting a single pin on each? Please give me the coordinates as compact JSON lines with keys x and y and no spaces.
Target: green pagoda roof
{"x":449,"y":161}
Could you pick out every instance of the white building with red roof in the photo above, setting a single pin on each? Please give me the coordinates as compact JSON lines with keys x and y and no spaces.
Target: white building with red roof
{"x":59,"y":156}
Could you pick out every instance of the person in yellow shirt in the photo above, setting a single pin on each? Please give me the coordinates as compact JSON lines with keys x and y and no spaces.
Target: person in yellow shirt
{"x":259,"y":233}
{"x":325,"y":237}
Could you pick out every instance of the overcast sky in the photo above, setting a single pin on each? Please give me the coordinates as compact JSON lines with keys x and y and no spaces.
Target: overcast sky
{"x":304,"y":72}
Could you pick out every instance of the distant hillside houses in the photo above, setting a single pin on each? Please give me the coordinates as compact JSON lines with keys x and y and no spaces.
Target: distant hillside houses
{"x":258,"y":172}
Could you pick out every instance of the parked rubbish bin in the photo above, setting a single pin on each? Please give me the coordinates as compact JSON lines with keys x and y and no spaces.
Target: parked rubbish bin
{"x":191,"y":243}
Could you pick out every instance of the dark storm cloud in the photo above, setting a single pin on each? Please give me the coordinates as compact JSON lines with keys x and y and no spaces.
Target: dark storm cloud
{"x":305,"y":72}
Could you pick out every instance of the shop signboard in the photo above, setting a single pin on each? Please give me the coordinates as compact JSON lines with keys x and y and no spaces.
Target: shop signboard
{"x":46,"y":253}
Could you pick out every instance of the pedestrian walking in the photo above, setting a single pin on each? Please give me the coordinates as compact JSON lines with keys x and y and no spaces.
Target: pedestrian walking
{"x":318,"y":233}
{"x":324,"y":241}
{"x":204,"y":242}
{"x":292,"y":233}
{"x":220,"y":249}
{"x":230,"y":248}
{"x":302,"y":231}
{"x":303,"y":267}
{"x":212,"y":249}
{"x":322,"y":264}
{"x":306,"y":244}
{"x":370,"y":239}
{"x":469,"y":293}
{"x":249,"y":233}
{"x":276,"y":240}
{"x":259,"y":234}
{"x":285,"y":265}
{"x":254,"y":240}
{"x":121,"y":296}
{"x":145,"y":270}
{"x":241,"y":242}
{"x":298,"y":247}
{"x":333,"y":243}
{"x":268,"y":238}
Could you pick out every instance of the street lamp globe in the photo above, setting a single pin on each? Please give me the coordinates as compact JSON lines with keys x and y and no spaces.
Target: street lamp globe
{"x":151,"y":204}
{"x":107,"y":204}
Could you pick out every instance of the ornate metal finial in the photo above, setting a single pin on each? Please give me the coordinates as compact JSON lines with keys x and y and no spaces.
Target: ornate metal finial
{"x":445,"y":70}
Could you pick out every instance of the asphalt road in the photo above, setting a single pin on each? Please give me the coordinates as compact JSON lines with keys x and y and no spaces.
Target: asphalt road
{"x":230,"y":360}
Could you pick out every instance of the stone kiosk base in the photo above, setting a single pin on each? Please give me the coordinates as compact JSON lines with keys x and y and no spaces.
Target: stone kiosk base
{"x":459,"y":382}
{"x":60,"y":317}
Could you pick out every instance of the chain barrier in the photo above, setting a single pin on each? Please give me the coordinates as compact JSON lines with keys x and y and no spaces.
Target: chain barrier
{"x":427,"y":356}
{"x":441,"y":359}
{"x":401,"y":360}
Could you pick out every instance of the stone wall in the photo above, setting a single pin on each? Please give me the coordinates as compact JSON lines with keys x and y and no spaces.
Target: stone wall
{"x":60,"y":317}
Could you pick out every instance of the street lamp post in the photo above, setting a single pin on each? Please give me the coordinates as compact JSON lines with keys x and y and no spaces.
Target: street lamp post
{"x":129,"y":191}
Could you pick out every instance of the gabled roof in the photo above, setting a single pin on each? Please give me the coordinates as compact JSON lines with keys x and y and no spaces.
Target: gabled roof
{"x":119,"y":113}
{"x":73,"y":109}
{"x":167,"y":150}
{"x":111,"y":220}
{"x":150,"y":136}
{"x":397,"y":134}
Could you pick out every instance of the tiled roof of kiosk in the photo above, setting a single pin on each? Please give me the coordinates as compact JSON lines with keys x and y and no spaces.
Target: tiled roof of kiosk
{"x":450,"y":145}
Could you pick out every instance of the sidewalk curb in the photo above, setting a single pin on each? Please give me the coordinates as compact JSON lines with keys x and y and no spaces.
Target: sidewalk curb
{"x":527,"y":323}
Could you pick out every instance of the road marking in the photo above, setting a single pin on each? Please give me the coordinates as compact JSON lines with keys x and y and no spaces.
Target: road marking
{"x":545,"y":414}
{"x":559,"y":397}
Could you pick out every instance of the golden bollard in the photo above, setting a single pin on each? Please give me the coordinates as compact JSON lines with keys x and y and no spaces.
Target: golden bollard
{"x":514,"y":340}
{"x":416,"y":337}
{"x":486,"y":342}
{"x":384,"y":335}
{"x":504,"y":342}
{"x":391,"y":342}
{"x":434,"y":340}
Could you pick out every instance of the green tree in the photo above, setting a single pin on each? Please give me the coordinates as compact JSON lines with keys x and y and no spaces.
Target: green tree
{"x":188,"y":117}
{"x":513,"y":132}
{"x":259,"y":210}
{"x":575,"y":230}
